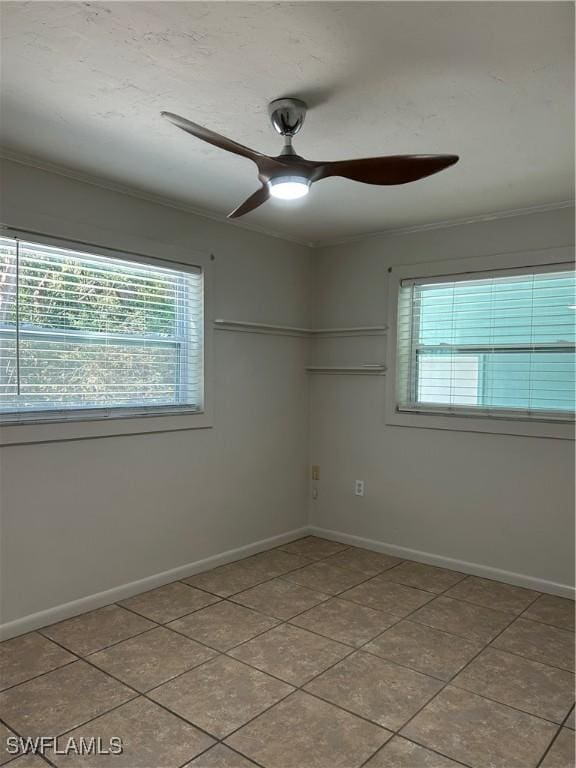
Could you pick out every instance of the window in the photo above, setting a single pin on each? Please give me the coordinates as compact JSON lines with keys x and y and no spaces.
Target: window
{"x":83,"y":335}
{"x":488,"y":344}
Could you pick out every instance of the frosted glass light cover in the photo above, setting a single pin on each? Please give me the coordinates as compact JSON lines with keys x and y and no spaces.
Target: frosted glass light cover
{"x":289,"y":187}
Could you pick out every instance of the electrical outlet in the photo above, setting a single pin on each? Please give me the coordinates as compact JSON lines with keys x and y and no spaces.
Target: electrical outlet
{"x":359,"y":487}
{"x":315,"y":472}
{"x":314,"y":493}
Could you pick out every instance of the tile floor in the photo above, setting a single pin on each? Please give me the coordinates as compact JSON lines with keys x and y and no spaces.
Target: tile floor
{"x":312,"y":655}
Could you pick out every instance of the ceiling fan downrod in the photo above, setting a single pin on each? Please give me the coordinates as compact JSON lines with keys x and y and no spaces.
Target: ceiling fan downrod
{"x":287,"y":117}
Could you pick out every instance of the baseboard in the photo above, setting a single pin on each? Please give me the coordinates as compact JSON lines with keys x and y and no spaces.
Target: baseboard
{"x":99,"y":599}
{"x":474,"y":569}
{"x":90,"y":602}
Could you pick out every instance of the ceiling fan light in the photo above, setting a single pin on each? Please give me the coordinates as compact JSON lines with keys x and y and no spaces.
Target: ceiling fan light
{"x":289,"y":187}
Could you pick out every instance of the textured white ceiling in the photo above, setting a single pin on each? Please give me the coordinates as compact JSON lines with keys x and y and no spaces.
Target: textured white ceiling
{"x":83,"y":85}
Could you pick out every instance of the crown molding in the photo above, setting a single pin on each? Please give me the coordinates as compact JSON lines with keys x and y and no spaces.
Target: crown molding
{"x":113,"y":186}
{"x":447,"y":223}
{"x":97,"y":181}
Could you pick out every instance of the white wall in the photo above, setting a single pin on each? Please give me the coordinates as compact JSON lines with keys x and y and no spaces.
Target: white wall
{"x":81,"y":517}
{"x":86,"y":516}
{"x":498,"y":501}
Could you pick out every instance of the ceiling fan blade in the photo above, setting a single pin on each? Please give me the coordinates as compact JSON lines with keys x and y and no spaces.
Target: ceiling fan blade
{"x":391,"y":169}
{"x":211,"y":137}
{"x":255,"y":200}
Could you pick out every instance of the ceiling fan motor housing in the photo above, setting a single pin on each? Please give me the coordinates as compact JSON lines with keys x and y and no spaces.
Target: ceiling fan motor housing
{"x":287,"y":115}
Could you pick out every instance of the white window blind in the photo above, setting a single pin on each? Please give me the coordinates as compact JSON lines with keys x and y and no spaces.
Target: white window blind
{"x":83,"y":335}
{"x":492,"y":344}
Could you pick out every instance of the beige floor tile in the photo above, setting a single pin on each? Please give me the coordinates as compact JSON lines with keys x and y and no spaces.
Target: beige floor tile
{"x":290,"y":653}
{"x":60,"y":700}
{"x":364,"y":561}
{"x":169,"y":602}
{"x":375,"y":689}
{"x":145,"y":661}
{"x":326,"y":577}
{"x":472,"y":622}
{"x":422,"y":576}
{"x":494,"y":714}
{"x":274,"y":562}
{"x":345,"y":621}
{"x":479,"y":732}
{"x":385,"y":595}
{"x":313,"y":547}
{"x":220,"y":756}
{"x":27,"y":656}
{"x":5,"y":755}
{"x":95,"y":630}
{"x":221,"y":695}
{"x":561,"y":753}
{"x":533,"y":687}
{"x":151,"y":737}
{"x":424,"y":649}
{"x":304,"y":732}
{"x":540,"y":642}
{"x":229,"y":579}
{"x":401,"y":753}
{"x":280,"y":598}
{"x":558,"y":611}
{"x":29,"y":761}
{"x":224,"y":625}
{"x":493,"y":594}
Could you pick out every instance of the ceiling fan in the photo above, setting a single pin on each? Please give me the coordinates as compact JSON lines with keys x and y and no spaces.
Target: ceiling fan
{"x":289,"y":176}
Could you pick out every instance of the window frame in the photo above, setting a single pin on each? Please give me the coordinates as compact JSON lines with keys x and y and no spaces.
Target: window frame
{"x":437,"y":417}
{"x":78,"y":424}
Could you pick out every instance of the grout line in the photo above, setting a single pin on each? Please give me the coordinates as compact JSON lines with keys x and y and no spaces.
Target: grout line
{"x":42,"y":674}
{"x":549,"y":747}
{"x":164,"y":624}
{"x":157,"y":625}
{"x":241,"y":755}
{"x":210,"y":648}
{"x":301,"y":689}
{"x":294,"y":685}
{"x":450,"y":681}
{"x":138,"y":694}
{"x":461,"y":670}
{"x":352,"y":649}
{"x":510,"y":706}
{"x":16,"y":733}
{"x":546,"y":623}
{"x":42,"y":630}
{"x":529,"y":658}
{"x":445,"y":683}
{"x":444,"y":592}
{"x":219,"y":743}
{"x":295,"y":688}
{"x":244,"y":589}
{"x":430,"y":749}
{"x":566,"y":720}
{"x":106,"y":647}
{"x":558,"y":732}
{"x":85,"y":722}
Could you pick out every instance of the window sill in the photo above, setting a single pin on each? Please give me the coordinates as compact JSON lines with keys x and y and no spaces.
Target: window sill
{"x":560,"y":430}
{"x":83,"y":428}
